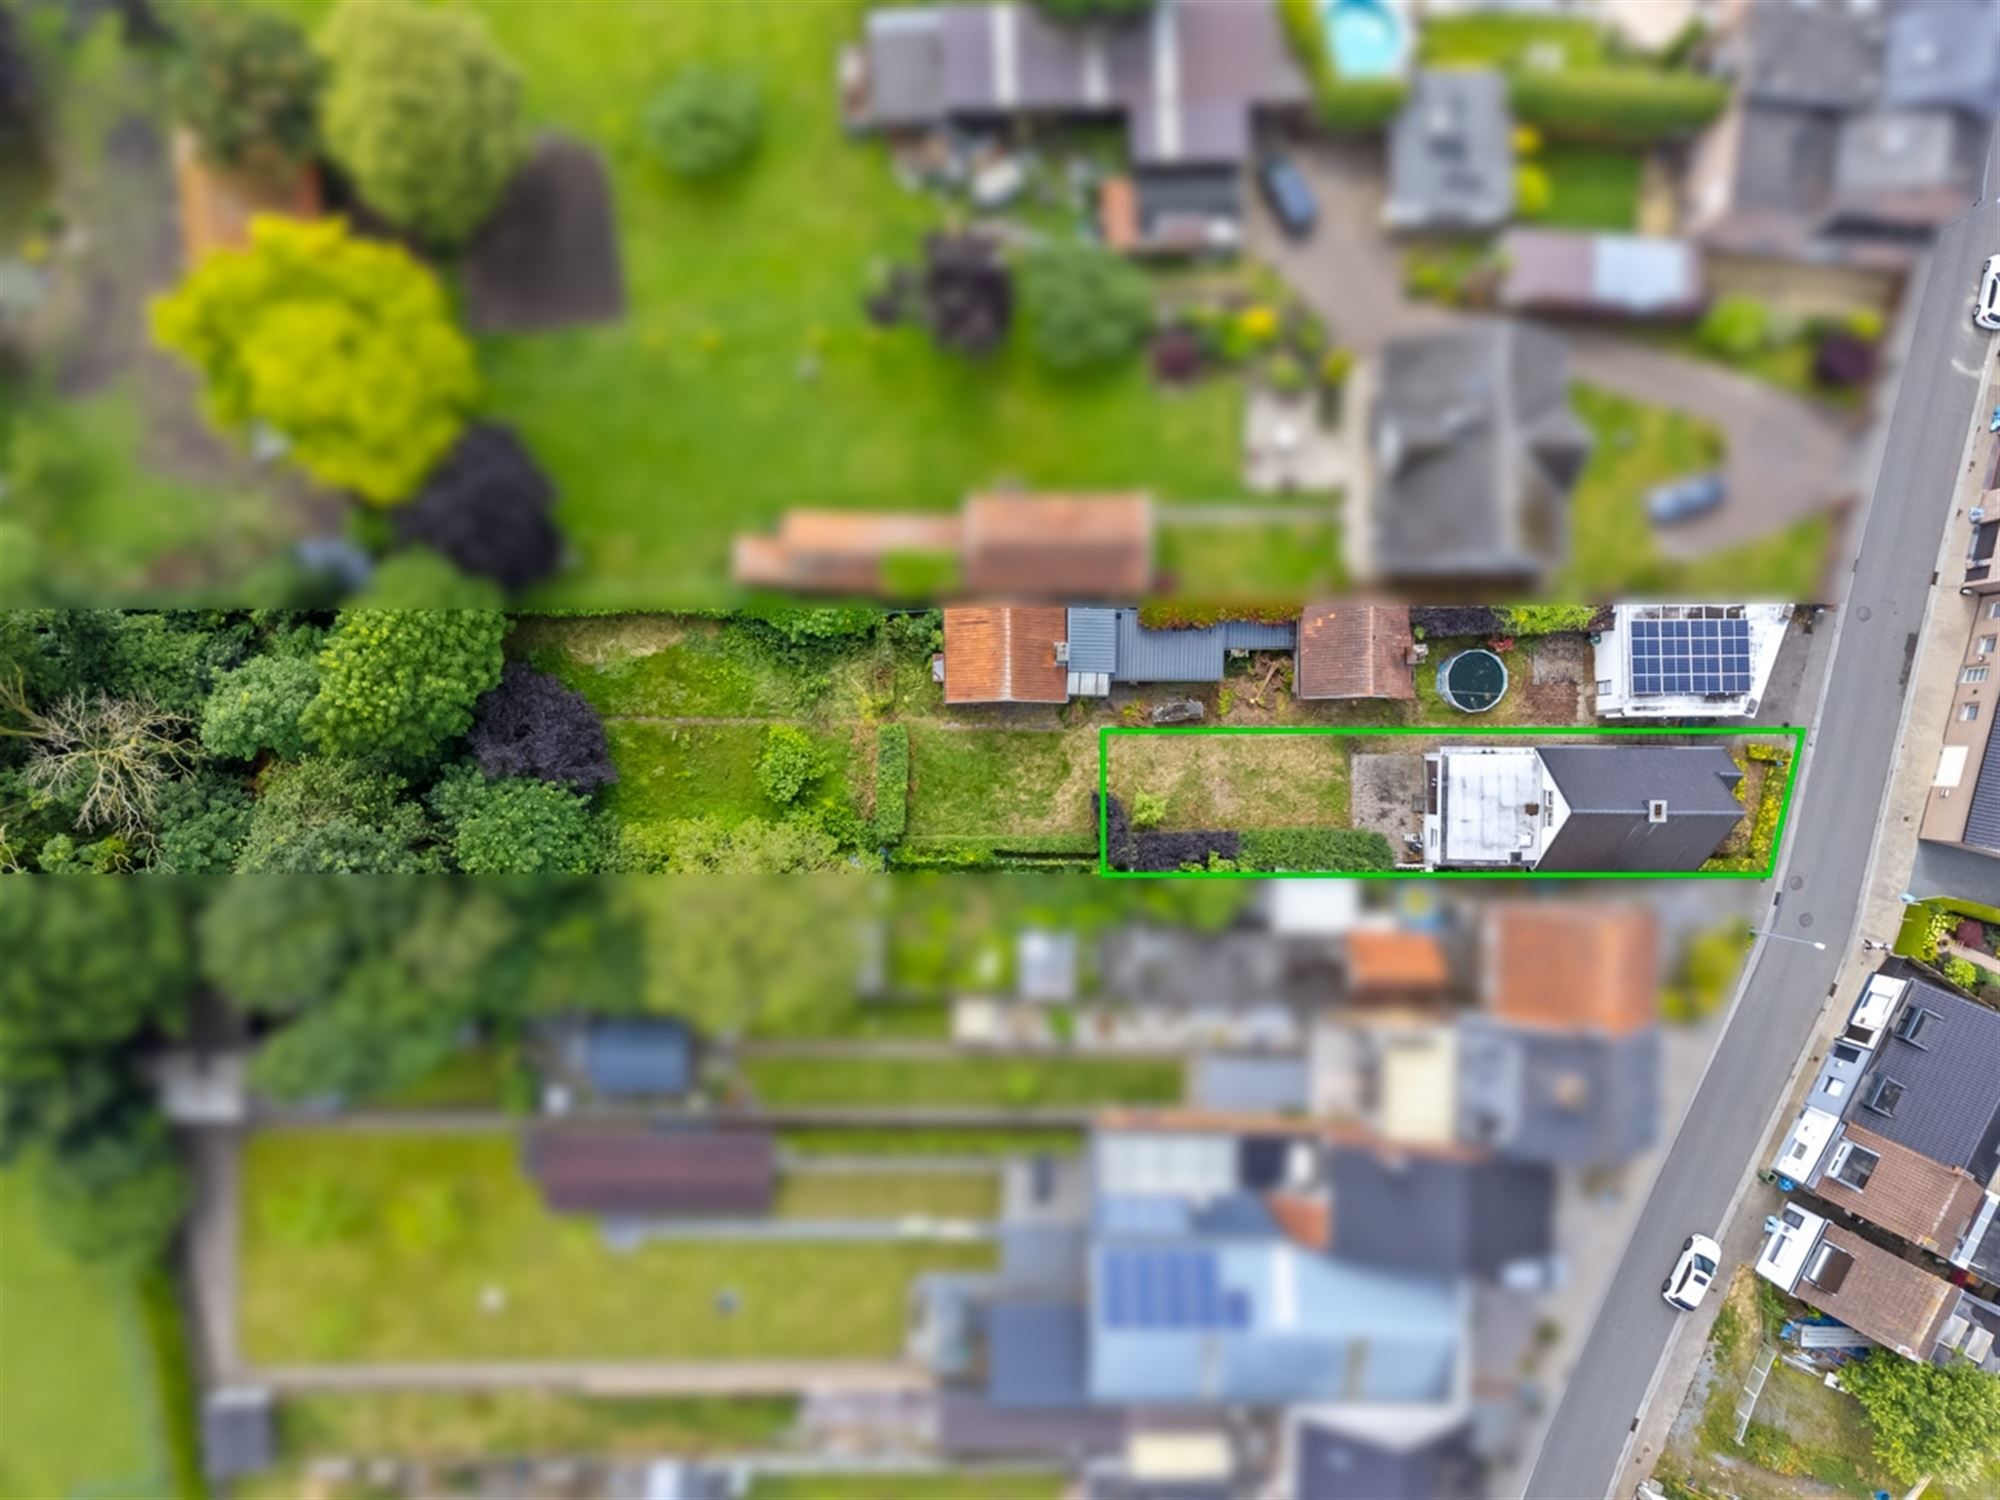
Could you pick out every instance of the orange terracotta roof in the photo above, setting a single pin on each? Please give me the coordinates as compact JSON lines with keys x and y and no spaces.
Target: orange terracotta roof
{"x":1573,"y":965}
{"x":1005,"y":654}
{"x":1395,"y":961}
{"x":1118,"y":213}
{"x":1354,"y":651}
{"x":217,"y":206}
{"x":1923,"y":1201}
{"x":1307,"y":1222}
{"x":1059,"y":546}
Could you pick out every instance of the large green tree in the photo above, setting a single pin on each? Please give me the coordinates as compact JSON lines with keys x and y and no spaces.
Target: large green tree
{"x":247,"y":83}
{"x":343,"y":347}
{"x":257,"y":707}
{"x":336,"y":817}
{"x":1086,"y":307}
{"x":1940,"y":1420}
{"x":395,"y":684}
{"x":424,"y":112}
{"x":517,"y":825}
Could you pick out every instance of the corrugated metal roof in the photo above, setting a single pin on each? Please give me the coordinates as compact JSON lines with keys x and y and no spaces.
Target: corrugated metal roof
{"x":1093,"y":640}
{"x":1191,"y":655}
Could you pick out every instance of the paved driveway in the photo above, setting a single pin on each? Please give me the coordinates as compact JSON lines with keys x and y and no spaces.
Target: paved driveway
{"x":1787,"y":458}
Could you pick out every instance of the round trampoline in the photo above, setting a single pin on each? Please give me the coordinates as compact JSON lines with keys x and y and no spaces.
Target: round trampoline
{"x":1472,"y":681}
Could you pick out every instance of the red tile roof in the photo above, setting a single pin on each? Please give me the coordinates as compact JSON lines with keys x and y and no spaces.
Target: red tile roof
{"x":1573,"y":965}
{"x":623,"y":1170}
{"x":1059,"y":546}
{"x":1395,"y":962}
{"x":1005,"y":653}
{"x":1354,"y":651}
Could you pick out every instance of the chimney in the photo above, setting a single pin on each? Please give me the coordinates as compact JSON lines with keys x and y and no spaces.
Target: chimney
{"x":1656,"y":810}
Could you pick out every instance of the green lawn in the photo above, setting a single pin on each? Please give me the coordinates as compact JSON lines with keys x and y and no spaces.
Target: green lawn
{"x":997,"y":781}
{"x":666,"y":666}
{"x":1590,"y":187}
{"x":1613,"y":550}
{"x":79,"y":1403}
{"x":496,"y":1424}
{"x":1236,"y":781}
{"x":364,"y":1246}
{"x":1280,"y":560}
{"x":889,"y":1194}
{"x":690,"y":420}
{"x":965,"y":1081}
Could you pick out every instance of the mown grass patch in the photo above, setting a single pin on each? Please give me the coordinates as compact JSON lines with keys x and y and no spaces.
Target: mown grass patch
{"x":1268,"y":560}
{"x":998,"y":781}
{"x":670,"y":771}
{"x":964,"y":1081}
{"x":991,"y":1484}
{"x":1590,"y":187}
{"x":362,"y":1246}
{"x":1236,"y":781}
{"x":913,"y":1142}
{"x":889,"y":1194}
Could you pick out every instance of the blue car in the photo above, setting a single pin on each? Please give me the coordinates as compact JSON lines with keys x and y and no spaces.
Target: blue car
{"x":1290,"y":198}
{"x":1685,"y":499}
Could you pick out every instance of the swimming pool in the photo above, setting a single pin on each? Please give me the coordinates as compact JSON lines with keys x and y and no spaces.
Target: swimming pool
{"x":1369,"y":38}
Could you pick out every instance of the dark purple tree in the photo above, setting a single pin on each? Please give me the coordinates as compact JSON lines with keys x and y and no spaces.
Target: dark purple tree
{"x":1844,"y":360}
{"x":486,"y":507}
{"x":532,"y":725}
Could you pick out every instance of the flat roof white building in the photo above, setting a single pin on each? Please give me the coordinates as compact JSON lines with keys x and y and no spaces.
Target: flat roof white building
{"x":1687,"y":661}
{"x":1490,"y":805}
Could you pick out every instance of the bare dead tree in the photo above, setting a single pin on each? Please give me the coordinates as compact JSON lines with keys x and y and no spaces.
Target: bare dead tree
{"x":109,"y":756}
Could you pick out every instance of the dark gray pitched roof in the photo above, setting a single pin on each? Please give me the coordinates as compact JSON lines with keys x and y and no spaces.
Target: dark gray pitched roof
{"x":1035,"y":1354}
{"x":637,"y":1056}
{"x":1443,"y":1214}
{"x":1825,"y":55}
{"x":1559,"y":1097}
{"x":971,"y":1424}
{"x":1608,"y":789}
{"x":1949,"y":1108}
{"x":1982,"y":819}
{"x":1330,"y":1464}
{"x":1476,"y":452}
{"x":1450,"y":155}
{"x":1943,"y":54}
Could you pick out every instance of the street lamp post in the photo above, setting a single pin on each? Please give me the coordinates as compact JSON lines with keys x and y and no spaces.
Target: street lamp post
{"x":1783,"y":938}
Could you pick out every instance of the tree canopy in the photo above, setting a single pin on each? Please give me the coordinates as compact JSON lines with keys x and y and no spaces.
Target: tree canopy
{"x":533,"y":725}
{"x":1086,"y":307}
{"x":395,"y":684}
{"x":343,"y":347}
{"x":423,"y":112}
{"x":1940,"y":1420}
{"x":487,"y":509}
{"x":247,"y":83}
{"x":517,"y":826}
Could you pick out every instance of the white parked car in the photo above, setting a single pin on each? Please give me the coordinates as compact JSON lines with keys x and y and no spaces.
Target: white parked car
{"x":1692,"y":1273}
{"x":1986,"y":311}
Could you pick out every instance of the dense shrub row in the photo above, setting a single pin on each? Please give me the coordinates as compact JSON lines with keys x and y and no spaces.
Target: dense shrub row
{"x":892,"y":782}
{"x":1340,"y":850}
{"x":1615,"y":106}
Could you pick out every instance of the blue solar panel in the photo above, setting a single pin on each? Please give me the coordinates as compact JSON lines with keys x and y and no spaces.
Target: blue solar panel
{"x":1162,"y":1288}
{"x":1690,"y":656}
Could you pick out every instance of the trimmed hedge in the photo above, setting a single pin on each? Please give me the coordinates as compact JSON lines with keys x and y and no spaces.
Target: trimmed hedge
{"x":962,"y":851}
{"x":892,"y":782}
{"x":1345,"y":851}
{"x":1615,"y":106}
{"x":1352,"y":104}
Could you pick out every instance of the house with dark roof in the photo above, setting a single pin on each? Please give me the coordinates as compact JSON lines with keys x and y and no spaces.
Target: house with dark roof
{"x":1449,"y":1212}
{"x":1597,"y":808}
{"x":1855,"y":132}
{"x":1331,"y":1455}
{"x":1355,"y":650}
{"x":1451,"y":156}
{"x":1877,"y":1293}
{"x":1901,"y":1125}
{"x":1187,"y":81}
{"x":635,"y":1173}
{"x":1466,"y":458}
{"x":1562,"y":1063}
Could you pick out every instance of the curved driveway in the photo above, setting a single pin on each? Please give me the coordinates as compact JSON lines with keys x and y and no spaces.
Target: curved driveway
{"x":1788,"y":458}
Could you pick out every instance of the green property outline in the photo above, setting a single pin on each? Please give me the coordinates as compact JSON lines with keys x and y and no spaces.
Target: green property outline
{"x":1796,"y":733}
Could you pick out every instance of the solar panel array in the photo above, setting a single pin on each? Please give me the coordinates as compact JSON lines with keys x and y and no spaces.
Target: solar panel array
{"x":1690,"y":656}
{"x":1152,"y":1288}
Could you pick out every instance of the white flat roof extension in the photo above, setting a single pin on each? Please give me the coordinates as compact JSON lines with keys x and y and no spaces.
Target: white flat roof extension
{"x":1786,"y":1248}
{"x":1487,"y":796}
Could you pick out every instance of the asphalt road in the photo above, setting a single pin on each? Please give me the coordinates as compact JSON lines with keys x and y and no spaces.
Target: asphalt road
{"x":1833,"y":823}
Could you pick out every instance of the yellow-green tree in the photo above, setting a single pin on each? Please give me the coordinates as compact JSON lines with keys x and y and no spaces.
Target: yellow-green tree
{"x":342,"y":347}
